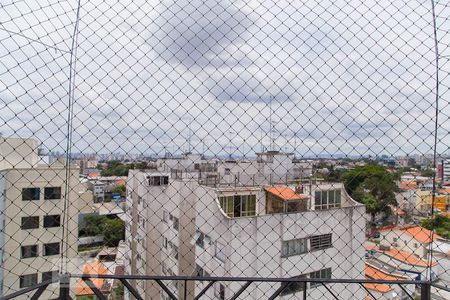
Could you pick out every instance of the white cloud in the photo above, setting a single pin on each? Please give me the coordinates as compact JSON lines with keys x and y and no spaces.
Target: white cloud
{"x":344,"y":76}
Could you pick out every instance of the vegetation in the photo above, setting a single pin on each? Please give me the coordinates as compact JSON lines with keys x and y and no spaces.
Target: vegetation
{"x":117,"y":168}
{"x":427,"y":173}
{"x":119,"y":189}
{"x":112,"y":229}
{"x":372,"y":185}
{"x":440,"y":223}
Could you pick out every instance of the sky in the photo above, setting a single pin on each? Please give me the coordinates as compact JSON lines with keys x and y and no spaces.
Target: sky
{"x":314,"y":78}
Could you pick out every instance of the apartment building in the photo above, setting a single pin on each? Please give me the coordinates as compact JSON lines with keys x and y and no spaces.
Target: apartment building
{"x":180,"y":225}
{"x":32,"y":203}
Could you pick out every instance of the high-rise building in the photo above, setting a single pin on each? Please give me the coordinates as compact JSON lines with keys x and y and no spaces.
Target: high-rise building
{"x":183,"y":222}
{"x":32,"y":204}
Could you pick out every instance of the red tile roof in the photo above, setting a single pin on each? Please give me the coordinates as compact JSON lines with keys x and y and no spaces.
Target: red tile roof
{"x":407,"y":257}
{"x":420,"y":234}
{"x":91,"y":268}
{"x":377,"y":274}
{"x":381,"y":288}
{"x":408,"y":185}
{"x":285,"y":193}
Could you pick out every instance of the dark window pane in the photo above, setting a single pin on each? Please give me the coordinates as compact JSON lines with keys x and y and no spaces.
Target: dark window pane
{"x":52,"y":221}
{"x":29,"y":251}
{"x":237,"y":206}
{"x":30,"y":194}
{"x":52,"y":193}
{"x":49,"y":275}
{"x":28,"y":280}
{"x":51,"y":249}
{"x":30,"y":222}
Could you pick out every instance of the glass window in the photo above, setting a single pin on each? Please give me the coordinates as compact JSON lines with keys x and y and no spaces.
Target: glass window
{"x":29,"y":194}
{"x":220,"y":252}
{"x":321,"y":274}
{"x":294,"y":287}
{"x":175,"y":223}
{"x":219,"y":291}
{"x":52,"y":193}
{"x":49,"y":275}
{"x":52,"y":221}
{"x":28,"y":251}
{"x":51,"y":249}
{"x":30,"y":222}
{"x":294,"y":247}
{"x":28,"y":280}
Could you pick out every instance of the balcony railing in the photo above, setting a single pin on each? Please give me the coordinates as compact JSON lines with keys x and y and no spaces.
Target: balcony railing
{"x":423,"y":287}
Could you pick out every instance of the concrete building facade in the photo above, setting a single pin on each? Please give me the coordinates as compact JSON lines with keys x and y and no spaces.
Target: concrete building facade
{"x":179,"y":226}
{"x":32,"y":201}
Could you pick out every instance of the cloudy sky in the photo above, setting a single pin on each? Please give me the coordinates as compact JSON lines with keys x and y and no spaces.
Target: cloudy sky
{"x":335,"y":77}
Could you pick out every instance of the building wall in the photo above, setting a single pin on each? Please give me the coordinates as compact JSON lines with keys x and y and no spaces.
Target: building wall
{"x":15,"y":237}
{"x":253,"y":244}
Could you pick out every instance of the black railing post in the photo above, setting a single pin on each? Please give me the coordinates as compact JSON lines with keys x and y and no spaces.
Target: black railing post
{"x":425,"y":291}
{"x":64,"y":287}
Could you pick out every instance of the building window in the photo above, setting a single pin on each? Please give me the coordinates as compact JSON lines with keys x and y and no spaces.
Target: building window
{"x":52,"y":193}
{"x":175,"y":223}
{"x":238,"y":205}
{"x":219,"y":252}
{"x":395,"y":239}
{"x":158,"y":180}
{"x":319,"y":242}
{"x":219,"y":291}
{"x":52,"y":221}
{"x":294,"y":247}
{"x":200,"y":239}
{"x":30,"y":222}
{"x":293,"y":287}
{"x":46,"y":276}
{"x":173,"y":250}
{"x":28,"y":280}
{"x":199,"y":272}
{"x":327,"y":199}
{"x":165,"y":216}
{"x":29,"y":194}
{"x":321,"y":274}
{"x":51,"y":249}
{"x":29,"y":251}
{"x":164,"y":242}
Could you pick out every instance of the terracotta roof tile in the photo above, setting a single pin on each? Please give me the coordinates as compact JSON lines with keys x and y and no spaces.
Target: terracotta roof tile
{"x":285,"y":193}
{"x":92,"y":268}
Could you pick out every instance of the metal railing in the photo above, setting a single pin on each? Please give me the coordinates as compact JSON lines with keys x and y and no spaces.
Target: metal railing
{"x":423,"y":287}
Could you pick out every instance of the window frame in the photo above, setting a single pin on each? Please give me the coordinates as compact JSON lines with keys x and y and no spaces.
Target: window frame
{"x":23,"y":250}
{"x":56,"y":220}
{"x":47,"y":246}
{"x":28,"y":280}
{"x":47,"y":196}
{"x":294,"y":247}
{"x":23,"y":222}
{"x":36,"y":192}
{"x":322,"y":242}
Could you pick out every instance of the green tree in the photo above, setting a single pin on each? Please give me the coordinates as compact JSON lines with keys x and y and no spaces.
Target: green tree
{"x":114,"y":231}
{"x":440,"y":223}
{"x":119,"y":189}
{"x":372,"y":185}
{"x":93,"y":225}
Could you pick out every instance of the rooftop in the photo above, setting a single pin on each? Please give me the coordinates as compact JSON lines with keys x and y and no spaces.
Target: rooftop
{"x":285,"y":193}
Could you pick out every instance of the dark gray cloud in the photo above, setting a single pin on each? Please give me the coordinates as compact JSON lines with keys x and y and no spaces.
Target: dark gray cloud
{"x":190,"y":31}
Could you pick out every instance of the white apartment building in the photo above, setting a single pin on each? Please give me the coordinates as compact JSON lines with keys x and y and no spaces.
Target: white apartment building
{"x":32,"y":203}
{"x":181,"y":226}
